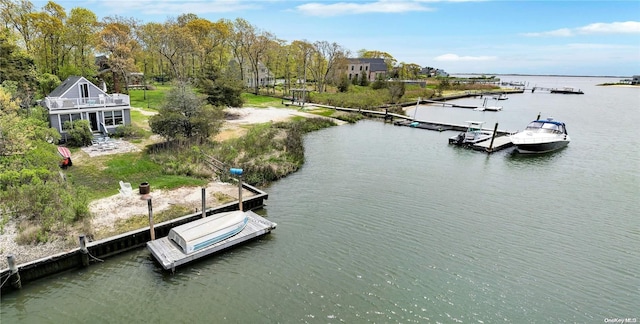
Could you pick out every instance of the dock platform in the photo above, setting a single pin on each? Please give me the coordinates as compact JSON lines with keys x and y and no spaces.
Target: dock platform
{"x":499,"y":143}
{"x":169,"y":255}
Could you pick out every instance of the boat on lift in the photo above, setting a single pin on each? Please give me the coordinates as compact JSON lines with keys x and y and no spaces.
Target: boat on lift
{"x":485,"y":107}
{"x":473,"y":135}
{"x":502,"y":96}
{"x":541,"y":136}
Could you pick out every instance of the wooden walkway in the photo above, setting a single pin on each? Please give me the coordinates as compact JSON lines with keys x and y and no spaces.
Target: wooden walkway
{"x":500,"y":142}
{"x":169,"y":255}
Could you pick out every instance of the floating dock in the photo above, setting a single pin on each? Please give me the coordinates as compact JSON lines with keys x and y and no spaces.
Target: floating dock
{"x":169,"y":255}
{"x":491,"y":145}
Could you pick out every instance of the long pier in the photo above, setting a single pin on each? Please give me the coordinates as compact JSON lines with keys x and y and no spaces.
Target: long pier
{"x":498,"y":142}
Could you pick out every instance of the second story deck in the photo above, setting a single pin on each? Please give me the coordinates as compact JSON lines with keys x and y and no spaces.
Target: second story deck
{"x":59,"y":103}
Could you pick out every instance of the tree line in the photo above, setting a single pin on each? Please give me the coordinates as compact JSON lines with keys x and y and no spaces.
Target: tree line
{"x":187,"y":47}
{"x":39,"y":47}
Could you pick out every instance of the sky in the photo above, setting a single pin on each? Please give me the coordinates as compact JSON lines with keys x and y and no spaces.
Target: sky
{"x":593,"y":38}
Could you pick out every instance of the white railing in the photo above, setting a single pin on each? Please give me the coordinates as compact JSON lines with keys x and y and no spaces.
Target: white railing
{"x":57,"y":103}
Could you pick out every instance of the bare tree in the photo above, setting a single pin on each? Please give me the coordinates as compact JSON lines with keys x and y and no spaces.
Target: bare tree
{"x":251,"y":44}
{"x":325,"y":62}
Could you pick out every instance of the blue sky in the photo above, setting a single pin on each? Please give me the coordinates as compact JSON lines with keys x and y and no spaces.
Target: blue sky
{"x":459,"y":36}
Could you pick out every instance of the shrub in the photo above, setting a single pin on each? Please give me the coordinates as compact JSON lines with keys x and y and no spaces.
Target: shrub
{"x":79,"y":133}
{"x":129,"y":131}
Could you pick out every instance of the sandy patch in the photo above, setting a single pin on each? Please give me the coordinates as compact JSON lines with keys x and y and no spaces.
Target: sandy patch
{"x":109,"y":210}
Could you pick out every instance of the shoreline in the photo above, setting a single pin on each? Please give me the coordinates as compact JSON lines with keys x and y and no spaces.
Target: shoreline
{"x":102,"y":215}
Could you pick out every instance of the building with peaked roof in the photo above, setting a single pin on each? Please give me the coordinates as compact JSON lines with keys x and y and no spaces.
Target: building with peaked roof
{"x":372,"y":68}
{"x":265,"y":76}
{"x":76,"y":98}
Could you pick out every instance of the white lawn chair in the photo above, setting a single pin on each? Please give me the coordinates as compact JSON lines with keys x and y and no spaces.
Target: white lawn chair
{"x":125,"y":189}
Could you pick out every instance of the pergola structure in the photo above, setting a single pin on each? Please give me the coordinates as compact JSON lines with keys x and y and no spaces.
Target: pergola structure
{"x":299,"y":96}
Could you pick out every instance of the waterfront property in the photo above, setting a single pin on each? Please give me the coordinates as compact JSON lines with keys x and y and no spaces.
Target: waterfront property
{"x":390,"y":224}
{"x":19,"y":274}
{"x":78,"y":99}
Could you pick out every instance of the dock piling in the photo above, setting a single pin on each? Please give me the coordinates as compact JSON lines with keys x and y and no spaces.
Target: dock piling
{"x":204,"y":199}
{"x":151,"y":229}
{"x":493,"y":137}
{"x":15,"y":274}
{"x":240,"y":193}
{"x":84,"y":253}
{"x":238,"y":172}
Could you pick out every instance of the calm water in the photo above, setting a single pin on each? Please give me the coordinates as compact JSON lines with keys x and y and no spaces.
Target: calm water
{"x":390,"y":224}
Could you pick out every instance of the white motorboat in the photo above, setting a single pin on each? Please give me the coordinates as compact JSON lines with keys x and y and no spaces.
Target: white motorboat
{"x":502,"y":96}
{"x":541,"y":136}
{"x":207,"y":231}
{"x":485,"y":107}
{"x":474,"y":134}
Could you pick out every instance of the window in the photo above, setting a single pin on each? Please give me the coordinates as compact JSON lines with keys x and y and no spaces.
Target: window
{"x":84,"y":90}
{"x":360,"y":67}
{"x":366,"y":68}
{"x":68,"y":118}
{"x":63,"y":121}
{"x":353,"y":66}
{"x":113,"y":118}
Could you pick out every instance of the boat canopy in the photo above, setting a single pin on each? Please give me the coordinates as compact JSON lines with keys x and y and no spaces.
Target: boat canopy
{"x":547,"y":125}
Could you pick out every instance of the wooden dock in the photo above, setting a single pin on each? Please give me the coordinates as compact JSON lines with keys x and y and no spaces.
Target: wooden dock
{"x":169,"y":255}
{"x":498,"y":143}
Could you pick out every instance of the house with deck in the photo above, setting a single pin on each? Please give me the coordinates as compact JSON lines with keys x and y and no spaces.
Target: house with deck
{"x":76,"y":98}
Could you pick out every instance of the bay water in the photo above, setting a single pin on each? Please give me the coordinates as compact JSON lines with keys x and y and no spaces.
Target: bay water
{"x":391,"y":224}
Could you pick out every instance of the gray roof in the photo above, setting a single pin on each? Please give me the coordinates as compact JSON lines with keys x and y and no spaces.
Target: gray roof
{"x":64,"y":86}
{"x":375,"y":64}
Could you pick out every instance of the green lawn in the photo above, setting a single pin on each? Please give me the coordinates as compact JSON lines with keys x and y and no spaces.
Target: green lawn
{"x":251,"y":100}
{"x":153,"y":97}
{"x":102,"y":175}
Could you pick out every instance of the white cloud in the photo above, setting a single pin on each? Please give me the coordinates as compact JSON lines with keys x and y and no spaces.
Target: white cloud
{"x":564,"y":32}
{"x":345,"y":8}
{"x":627,"y":27}
{"x":457,"y":58}
{"x":199,"y":7}
{"x":598,"y":46}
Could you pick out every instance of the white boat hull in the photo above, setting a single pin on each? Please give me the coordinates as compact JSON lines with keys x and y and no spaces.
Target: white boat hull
{"x":204,"y":232}
{"x":531,"y":142}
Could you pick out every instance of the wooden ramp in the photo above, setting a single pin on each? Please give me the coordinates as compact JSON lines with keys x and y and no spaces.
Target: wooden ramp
{"x":169,"y":255}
